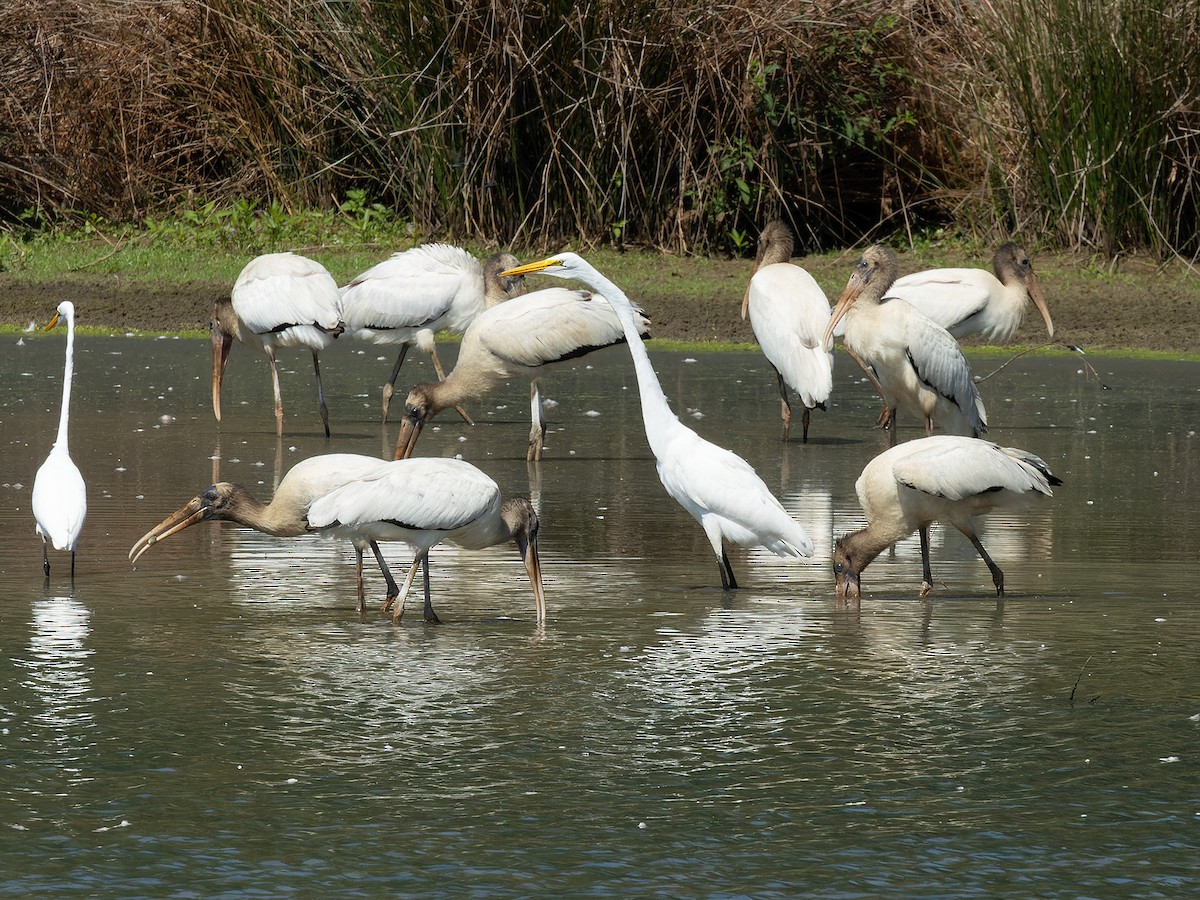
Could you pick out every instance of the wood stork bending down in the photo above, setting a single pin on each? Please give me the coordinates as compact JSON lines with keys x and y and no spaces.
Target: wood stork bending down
{"x":917,"y":364}
{"x":278,"y":300}
{"x":788,"y":312}
{"x":285,"y":515}
{"x":424,"y":502}
{"x":59,"y":494}
{"x":410,"y":296}
{"x":719,"y":488}
{"x":965,"y":301}
{"x":945,"y":478}
{"x":525,"y":336}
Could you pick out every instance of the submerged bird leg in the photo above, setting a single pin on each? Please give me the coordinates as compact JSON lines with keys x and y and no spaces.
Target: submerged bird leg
{"x":804,"y":420}
{"x":73,"y":573}
{"x":785,"y":408}
{"x":321,"y":393}
{"x":537,"y":430}
{"x":926,"y":575}
{"x":928,"y":426}
{"x":390,"y":387}
{"x":392,"y":589}
{"x":45,"y":559}
{"x":997,"y":575}
{"x":430,"y":615}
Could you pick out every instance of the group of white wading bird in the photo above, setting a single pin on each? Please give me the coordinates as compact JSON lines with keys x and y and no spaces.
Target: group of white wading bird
{"x":901,"y":331}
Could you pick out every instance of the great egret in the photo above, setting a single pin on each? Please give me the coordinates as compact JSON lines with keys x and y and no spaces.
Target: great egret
{"x":526,"y":337}
{"x":718,"y":488}
{"x":278,"y":300}
{"x":424,"y":502}
{"x":966,"y":301}
{"x":917,"y":363}
{"x":59,"y":494}
{"x":944,"y":478}
{"x":788,"y":312}
{"x":412,"y":295}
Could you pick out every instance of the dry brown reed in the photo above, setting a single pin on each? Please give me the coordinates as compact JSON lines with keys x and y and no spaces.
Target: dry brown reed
{"x":678,"y":125}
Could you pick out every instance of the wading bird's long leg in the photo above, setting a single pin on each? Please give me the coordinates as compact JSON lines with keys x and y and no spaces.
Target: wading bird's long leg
{"x":362,"y":597}
{"x":997,"y":575}
{"x":392,"y":589}
{"x":537,"y":430}
{"x":397,"y":604}
{"x":45,"y":559}
{"x":321,"y":393}
{"x":728,"y":582}
{"x":390,"y":387}
{"x":785,"y":408}
{"x":278,"y":395}
{"x":430,"y":615}
{"x":926,"y":575}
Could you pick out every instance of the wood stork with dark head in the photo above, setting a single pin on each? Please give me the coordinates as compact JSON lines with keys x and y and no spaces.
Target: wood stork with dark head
{"x":917,"y":363}
{"x":718,"y":488}
{"x":527,"y":336}
{"x":966,"y":301}
{"x":278,"y":300}
{"x":409,"y":297}
{"x":944,"y":478}
{"x":424,"y":502}
{"x":788,"y":312}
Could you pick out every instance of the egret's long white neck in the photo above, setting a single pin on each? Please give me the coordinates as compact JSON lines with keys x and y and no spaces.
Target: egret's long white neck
{"x":68,"y":370}
{"x":656,"y":411}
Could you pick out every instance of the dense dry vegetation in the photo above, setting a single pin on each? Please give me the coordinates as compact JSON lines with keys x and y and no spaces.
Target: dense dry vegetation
{"x":682,"y":126}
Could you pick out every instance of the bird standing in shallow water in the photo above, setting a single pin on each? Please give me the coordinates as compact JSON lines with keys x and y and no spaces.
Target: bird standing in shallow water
{"x":788,"y":312}
{"x":966,"y":301}
{"x":423,"y":502}
{"x":278,"y":300}
{"x":59,"y":493}
{"x":718,"y":488}
{"x":527,"y":336}
{"x":917,"y":364}
{"x":409,"y":297}
{"x":944,"y":478}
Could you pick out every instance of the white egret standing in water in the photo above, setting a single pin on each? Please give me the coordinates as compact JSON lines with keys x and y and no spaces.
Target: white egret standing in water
{"x":59,"y":494}
{"x":717,"y":487}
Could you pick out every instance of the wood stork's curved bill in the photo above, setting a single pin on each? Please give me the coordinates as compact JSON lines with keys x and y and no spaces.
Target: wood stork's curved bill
{"x":195,"y":510}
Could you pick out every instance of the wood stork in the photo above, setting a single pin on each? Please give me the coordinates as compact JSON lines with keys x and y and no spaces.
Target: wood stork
{"x":788,"y":312}
{"x":525,"y":336}
{"x":917,"y":363}
{"x":278,"y":300}
{"x":59,"y":494}
{"x":424,"y":502}
{"x":944,"y":478}
{"x":284,"y":516}
{"x":718,"y":488}
{"x":412,"y":295}
{"x":965,"y":301}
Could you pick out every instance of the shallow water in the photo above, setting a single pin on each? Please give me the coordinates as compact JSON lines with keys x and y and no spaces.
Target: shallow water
{"x":221,"y":720}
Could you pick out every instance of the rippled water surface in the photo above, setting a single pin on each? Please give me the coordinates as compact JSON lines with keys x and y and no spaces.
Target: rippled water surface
{"x":221,"y":721}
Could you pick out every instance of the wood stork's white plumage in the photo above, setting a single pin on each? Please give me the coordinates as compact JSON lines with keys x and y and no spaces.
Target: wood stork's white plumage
{"x":526,"y":336}
{"x":285,"y":515}
{"x":788,"y":312}
{"x":966,"y":301}
{"x":718,"y":488}
{"x":944,"y":478}
{"x":278,"y":300}
{"x":917,"y":363}
{"x":424,"y":502}
{"x":59,"y":494}
{"x":412,"y":295}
